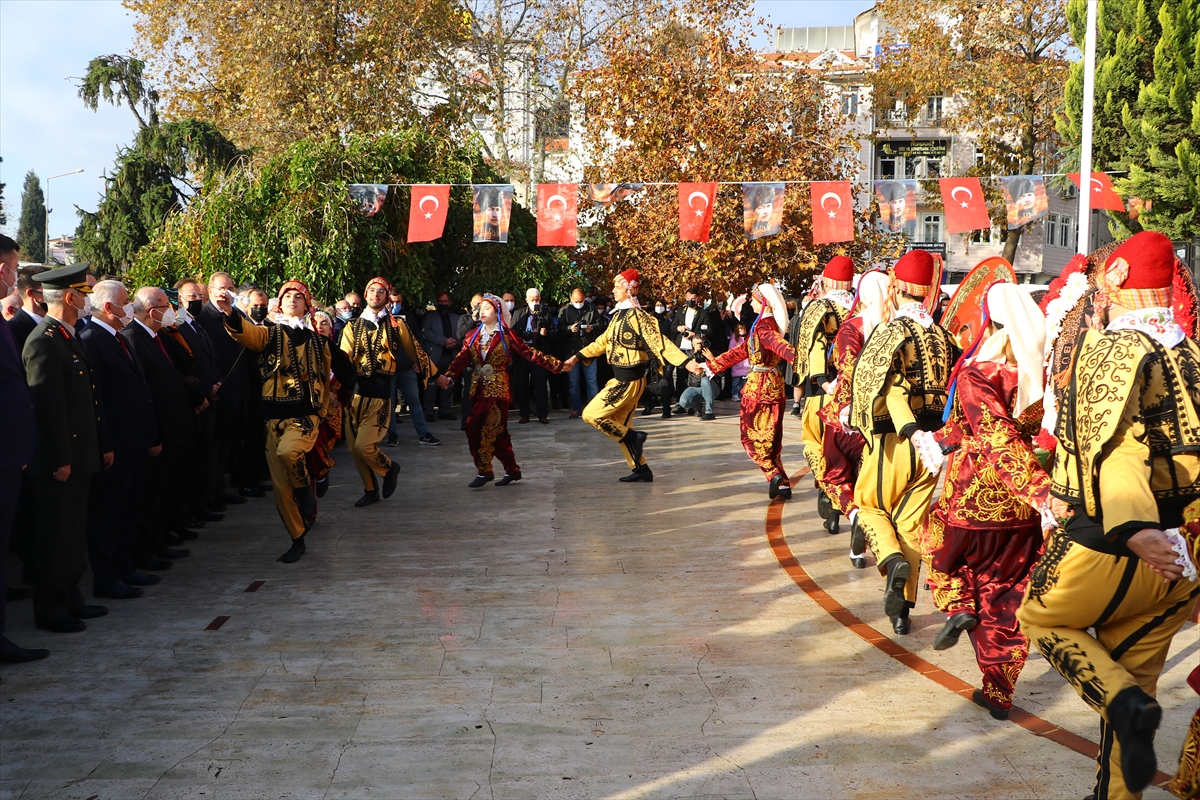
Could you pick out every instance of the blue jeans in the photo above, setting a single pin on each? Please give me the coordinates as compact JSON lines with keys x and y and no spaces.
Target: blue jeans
{"x":738,"y":382}
{"x":407,"y":384}
{"x":705,"y":390}
{"x":588,"y":371}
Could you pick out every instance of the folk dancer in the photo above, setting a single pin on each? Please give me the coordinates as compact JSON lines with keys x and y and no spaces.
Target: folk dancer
{"x":1127,"y":465}
{"x":629,"y":341}
{"x":899,"y":394}
{"x":341,"y":387}
{"x":763,"y":397}
{"x":377,"y":344}
{"x":819,"y":323}
{"x":984,"y":534}
{"x":294,"y":367}
{"x":841,"y":445}
{"x":489,"y":350}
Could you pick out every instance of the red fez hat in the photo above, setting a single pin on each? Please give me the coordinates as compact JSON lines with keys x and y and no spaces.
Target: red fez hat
{"x":914,"y":272}
{"x":297,"y":286}
{"x":1140,"y":273}
{"x":840,"y":268}
{"x":382,"y":281}
{"x":631,"y":277}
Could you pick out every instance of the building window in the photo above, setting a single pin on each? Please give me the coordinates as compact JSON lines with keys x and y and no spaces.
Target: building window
{"x":985,"y":236}
{"x":850,"y":104}
{"x":933,"y":108}
{"x":931,"y":228}
{"x":1066,"y":231}
{"x":887,"y":168}
{"x":1052,"y":229}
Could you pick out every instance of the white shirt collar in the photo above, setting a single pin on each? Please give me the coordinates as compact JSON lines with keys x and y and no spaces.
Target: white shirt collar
{"x":624,"y":304}
{"x":373,"y":316}
{"x":1157,"y":323}
{"x":101,"y":323}
{"x":917,"y":313}
{"x":152,"y":333}
{"x":36,"y":318}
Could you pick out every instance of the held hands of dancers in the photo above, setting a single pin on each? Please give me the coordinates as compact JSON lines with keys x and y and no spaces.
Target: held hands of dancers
{"x":694,"y":368}
{"x":443,"y":381}
{"x":570,"y":363}
{"x":929,"y":451}
{"x":1156,"y":549}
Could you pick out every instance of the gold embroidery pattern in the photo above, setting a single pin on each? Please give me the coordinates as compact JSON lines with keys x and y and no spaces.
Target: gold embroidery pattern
{"x":1187,"y":779}
{"x":761,"y":435}
{"x":1045,"y":576}
{"x":487,"y":439}
{"x":818,"y":325}
{"x":988,"y":498}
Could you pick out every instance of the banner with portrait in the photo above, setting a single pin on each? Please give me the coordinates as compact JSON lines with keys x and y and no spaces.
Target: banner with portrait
{"x":762,"y":209}
{"x":604,"y":195}
{"x":1025,"y":199}
{"x":898,"y":206}
{"x":492,"y":211}
{"x":368,"y":197}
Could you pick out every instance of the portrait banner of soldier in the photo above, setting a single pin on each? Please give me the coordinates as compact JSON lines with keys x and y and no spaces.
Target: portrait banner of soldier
{"x":898,"y":206}
{"x":368,"y":197}
{"x":603,"y":195}
{"x":762,"y":209}
{"x":1025,"y":199}
{"x":492,"y":210}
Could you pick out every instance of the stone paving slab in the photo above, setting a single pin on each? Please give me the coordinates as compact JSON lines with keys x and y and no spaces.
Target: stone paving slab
{"x":564,"y":637}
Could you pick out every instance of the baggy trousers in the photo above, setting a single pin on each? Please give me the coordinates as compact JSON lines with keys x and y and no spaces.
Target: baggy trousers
{"x":288,"y":442}
{"x":611,"y":411}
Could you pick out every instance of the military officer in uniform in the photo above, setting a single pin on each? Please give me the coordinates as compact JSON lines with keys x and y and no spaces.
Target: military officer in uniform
{"x":68,"y":452}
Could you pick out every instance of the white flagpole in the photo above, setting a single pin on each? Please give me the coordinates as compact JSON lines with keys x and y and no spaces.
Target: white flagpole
{"x":1085,"y":141}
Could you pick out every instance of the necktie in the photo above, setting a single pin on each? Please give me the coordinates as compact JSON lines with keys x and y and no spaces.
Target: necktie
{"x":125,"y":347}
{"x":162,"y":347}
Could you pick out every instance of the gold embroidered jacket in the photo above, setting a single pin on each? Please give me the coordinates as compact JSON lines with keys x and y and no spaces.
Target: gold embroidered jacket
{"x":819,"y":323}
{"x":764,"y":383}
{"x":1129,"y":431}
{"x":294,"y":365}
{"x":491,"y":361}
{"x":901,"y":378}
{"x":631,"y":337}
{"x":373,"y":349}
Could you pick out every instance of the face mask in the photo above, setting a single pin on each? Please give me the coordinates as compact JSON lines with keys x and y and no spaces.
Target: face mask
{"x":342,"y":315}
{"x":194,"y":307}
{"x":577,"y":306}
{"x":510,"y":304}
{"x":443,"y":307}
{"x":691,"y":303}
{"x":396,"y":308}
{"x":660,"y":309}
{"x":127,"y":311}
{"x":355,"y":311}
{"x":258,"y":313}
{"x":168,"y":318}
{"x":87,"y":306}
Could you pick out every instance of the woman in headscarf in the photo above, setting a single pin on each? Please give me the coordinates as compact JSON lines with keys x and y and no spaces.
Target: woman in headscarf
{"x":763,"y":397}
{"x":842,"y":446}
{"x":489,"y":349}
{"x":984,"y":536}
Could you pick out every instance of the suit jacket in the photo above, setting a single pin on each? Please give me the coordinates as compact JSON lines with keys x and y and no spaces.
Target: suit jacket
{"x":16,"y":406}
{"x":433,"y":337}
{"x":60,"y":380}
{"x":205,"y":367}
{"x":127,"y":410}
{"x":173,"y":405}
{"x":235,"y":367}
{"x":717,"y":340}
{"x":21,"y":326}
{"x":538,"y":342}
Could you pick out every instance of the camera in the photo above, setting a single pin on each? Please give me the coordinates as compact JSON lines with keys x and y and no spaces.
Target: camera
{"x":701,"y":343}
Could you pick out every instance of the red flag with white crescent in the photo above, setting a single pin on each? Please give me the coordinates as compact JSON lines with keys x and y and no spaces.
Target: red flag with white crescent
{"x":966,"y":208}
{"x":557,"y":214}
{"x":1104,"y":195}
{"x":832,"y":212}
{"x":696,"y":210}
{"x":427,"y":214}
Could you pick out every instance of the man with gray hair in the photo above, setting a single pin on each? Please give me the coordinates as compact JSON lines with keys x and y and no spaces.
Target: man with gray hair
{"x":69,"y":453}
{"x":127,"y":421}
{"x":533,"y":324}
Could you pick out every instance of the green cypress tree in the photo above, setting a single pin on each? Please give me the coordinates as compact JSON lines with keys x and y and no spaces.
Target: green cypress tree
{"x":1164,"y":127}
{"x":31,"y":234}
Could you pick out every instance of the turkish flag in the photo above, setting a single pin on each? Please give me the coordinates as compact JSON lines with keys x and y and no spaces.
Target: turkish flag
{"x":1103,"y":194}
{"x":427,"y":213}
{"x":557,"y":214}
{"x":832,"y":212}
{"x":696,"y":210}
{"x":966,"y":208}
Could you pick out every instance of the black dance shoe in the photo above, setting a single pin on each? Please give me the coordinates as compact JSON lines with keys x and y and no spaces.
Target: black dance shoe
{"x":858,"y":562}
{"x":322,"y":487}
{"x":948,"y":636}
{"x":1135,"y":716}
{"x":900,"y":623}
{"x":62,"y":625}
{"x":634,"y":442}
{"x":773,"y":487}
{"x":117,"y":590}
{"x":831,"y":523}
{"x":824,"y":505}
{"x":294,"y":552}
{"x":480,"y":480}
{"x":858,"y":537}
{"x":507,"y":479}
{"x":641,"y":474}
{"x":898,"y":573}
{"x":367,"y":499}
{"x":12,"y":654}
{"x":979,"y":699}
{"x":389,"y":480}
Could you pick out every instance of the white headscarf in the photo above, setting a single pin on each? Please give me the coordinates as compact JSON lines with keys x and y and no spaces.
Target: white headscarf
{"x":1023,"y":334}
{"x":778,"y":305}
{"x":872,"y":300}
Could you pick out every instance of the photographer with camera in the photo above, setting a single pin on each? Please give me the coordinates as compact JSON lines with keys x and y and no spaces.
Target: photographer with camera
{"x":699,"y":387}
{"x":580,"y":325}
{"x":535,"y":326}
{"x":689,"y":318}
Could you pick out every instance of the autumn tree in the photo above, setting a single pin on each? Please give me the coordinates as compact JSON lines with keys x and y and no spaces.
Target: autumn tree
{"x":31,"y":233}
{"x":681,"y":95}
{"x":999,"y":64}
{"x":269,"y":74}
{"x":157,"y":175}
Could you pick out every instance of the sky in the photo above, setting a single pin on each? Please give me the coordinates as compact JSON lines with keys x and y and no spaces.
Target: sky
{"x":44,"y":126}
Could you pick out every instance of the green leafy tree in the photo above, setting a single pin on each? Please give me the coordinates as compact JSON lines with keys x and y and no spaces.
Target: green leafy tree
{"x":156,"y":176}
{"x":31,"y":235}
{"x":291,"y":216}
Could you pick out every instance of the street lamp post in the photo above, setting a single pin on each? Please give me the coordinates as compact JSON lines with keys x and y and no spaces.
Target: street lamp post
{"x":52,"y":177}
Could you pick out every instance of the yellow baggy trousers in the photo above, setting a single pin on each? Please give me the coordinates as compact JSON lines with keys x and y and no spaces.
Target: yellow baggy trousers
{"x":368,"y":424}
{"x":611,"y":411}
{"x":288,"y":442}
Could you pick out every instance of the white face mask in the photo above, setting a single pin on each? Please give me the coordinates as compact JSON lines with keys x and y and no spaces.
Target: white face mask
{"x":660,"y":309}
{"x":87,"y":305}
{"x":577,"y":305}
{"x":127,"y":311}
{"x":168,"y":318}
{"x":510,"y":304}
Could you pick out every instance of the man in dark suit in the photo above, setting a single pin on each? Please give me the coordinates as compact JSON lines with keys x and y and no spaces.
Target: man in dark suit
{"x":202,"y":465}
{"x":536,"y":328}
{"x":33,"y":307}
{"x":176,"y":404}
{"x":58,"y":371}
{"x":19,"y":443}
{"x":234,"y":368}
{"x":693,"y":321}
{"x":128,"y":421}
{"x":437,"y":336}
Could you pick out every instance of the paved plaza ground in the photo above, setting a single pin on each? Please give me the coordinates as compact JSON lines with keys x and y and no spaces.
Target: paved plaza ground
{"x":564,"y":637}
